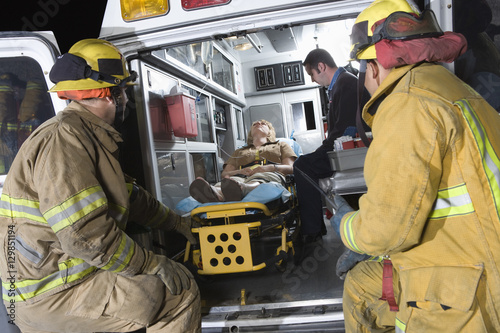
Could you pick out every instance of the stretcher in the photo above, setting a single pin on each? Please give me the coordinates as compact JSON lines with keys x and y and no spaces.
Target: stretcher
{"x":231,"y":233}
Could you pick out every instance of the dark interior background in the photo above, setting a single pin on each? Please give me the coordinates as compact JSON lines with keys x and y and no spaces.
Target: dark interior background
{"x":70,"y":20}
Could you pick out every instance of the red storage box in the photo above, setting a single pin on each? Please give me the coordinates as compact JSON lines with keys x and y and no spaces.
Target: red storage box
{"x":358,"y":143}
{"x":182,"y":114}
{"x":348,"y":144}
{"x":162,"y":130}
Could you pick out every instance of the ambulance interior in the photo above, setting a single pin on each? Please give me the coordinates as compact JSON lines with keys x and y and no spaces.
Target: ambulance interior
{"x":235,"y":78}
{"x":234,"y":81}
{"x":219,"y":77}
{"x":231,"y":80}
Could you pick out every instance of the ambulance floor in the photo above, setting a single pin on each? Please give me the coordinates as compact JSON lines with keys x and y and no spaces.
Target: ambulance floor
{"x":312,"y":280}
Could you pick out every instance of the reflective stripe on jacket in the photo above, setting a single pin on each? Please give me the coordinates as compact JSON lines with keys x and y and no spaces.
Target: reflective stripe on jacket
{"x":433,"y":178}
{"x":64,"y":208}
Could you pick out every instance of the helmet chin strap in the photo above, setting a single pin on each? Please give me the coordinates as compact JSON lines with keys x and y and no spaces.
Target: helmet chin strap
{"x":120,"y":108}
{"x":361,"y":85}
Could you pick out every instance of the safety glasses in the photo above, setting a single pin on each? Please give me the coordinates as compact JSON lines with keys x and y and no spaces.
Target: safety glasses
{"x":359,"y":38}
{"x":397,"y":26}
{"x":72,"y":67}
{"x":401,"y":25}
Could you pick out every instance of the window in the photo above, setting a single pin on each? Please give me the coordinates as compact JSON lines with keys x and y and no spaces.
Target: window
{"x":189,"y":55}
{"x":204,"y":166}
{"x":24,"y":105}
{"x":272,"y":113}
{"x":240,"y":135}
{"x":222,"y":71}
{"x":174,"y":181}
{"x":202,"y":116}
{"x":173,"y":174}
{"x":220,"y":115}
{"x":303,"y":116}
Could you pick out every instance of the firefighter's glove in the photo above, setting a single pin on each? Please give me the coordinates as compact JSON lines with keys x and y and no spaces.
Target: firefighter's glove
{"x":342,"y":209}
{"x":182,"y":225}
{"x":174,"y":275}
{"x":347,"y":261}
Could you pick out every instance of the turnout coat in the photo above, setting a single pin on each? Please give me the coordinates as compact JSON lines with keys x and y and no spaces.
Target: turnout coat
{"x":433,"y":199}
{"x":64,"y":208}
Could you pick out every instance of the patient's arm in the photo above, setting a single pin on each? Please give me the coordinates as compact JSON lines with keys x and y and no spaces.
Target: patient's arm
{"x":231,"y":170}
{"x":285,"y":167}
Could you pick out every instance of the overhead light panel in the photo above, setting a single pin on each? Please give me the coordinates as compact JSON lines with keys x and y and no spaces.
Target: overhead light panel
{"x":255,"y":41}
{"x":243,"y":43}
{"x":283,"y":40}
{"x":243,"y":46}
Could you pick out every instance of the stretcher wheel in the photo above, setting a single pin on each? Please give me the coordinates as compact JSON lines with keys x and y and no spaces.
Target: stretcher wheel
{"x":282,"y":264}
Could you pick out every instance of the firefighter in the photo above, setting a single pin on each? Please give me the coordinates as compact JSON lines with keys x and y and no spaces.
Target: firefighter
{"x":432,"y":209}
{"x":67,"y":264}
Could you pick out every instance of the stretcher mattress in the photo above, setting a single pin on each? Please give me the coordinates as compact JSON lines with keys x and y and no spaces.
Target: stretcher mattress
{"x":264,"y":193}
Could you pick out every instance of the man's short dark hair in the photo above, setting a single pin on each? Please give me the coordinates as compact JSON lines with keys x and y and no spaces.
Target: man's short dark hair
{"x":319,"y":55}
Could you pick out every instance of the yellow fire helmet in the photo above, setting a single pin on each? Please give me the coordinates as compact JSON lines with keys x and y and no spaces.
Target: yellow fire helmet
{"x":90,"y":64}
{"x":362,"y":45}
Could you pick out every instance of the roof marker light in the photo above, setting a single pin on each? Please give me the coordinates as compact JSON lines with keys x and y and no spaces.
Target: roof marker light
{"x":196,"y":4}
{"x":133,"y":10}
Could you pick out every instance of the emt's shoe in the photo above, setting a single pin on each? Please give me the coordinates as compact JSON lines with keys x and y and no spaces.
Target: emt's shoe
{"x":306,"y":245}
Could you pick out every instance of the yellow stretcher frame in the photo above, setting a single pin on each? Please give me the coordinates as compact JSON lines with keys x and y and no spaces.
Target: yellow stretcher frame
{"x":226,"y":248}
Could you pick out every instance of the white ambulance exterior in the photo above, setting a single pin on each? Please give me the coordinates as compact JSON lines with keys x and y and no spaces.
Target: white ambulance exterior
{"x":241,"y":61}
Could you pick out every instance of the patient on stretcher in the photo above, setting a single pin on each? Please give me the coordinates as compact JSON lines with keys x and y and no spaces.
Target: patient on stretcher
{"x":262,"y":160}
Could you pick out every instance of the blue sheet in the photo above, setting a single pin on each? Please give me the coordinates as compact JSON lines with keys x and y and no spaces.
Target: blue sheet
{"x":294,"y":144}
{"x":264,"y":193}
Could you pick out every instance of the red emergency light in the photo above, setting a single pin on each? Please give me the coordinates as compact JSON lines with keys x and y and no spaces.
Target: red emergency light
{"x":196,"y":4}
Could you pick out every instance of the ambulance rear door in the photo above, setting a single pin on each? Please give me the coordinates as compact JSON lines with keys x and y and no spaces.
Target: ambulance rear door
{"x":25,"y":62}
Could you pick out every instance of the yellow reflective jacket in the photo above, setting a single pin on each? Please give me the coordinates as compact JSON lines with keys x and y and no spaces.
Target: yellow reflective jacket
{"x":64,"y":208}
{"x":433,"y":178}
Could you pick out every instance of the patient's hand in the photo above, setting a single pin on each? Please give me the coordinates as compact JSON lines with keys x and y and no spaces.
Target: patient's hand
{"x":247,"y":171}
{"x":261,"y":168}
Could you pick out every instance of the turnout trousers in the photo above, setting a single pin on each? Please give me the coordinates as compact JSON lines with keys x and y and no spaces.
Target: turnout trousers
{"x":365,"y":312}
{"x":107,"y":302}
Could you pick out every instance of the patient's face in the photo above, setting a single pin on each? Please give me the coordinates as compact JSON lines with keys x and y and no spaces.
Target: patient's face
{"x":260,"y":127}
